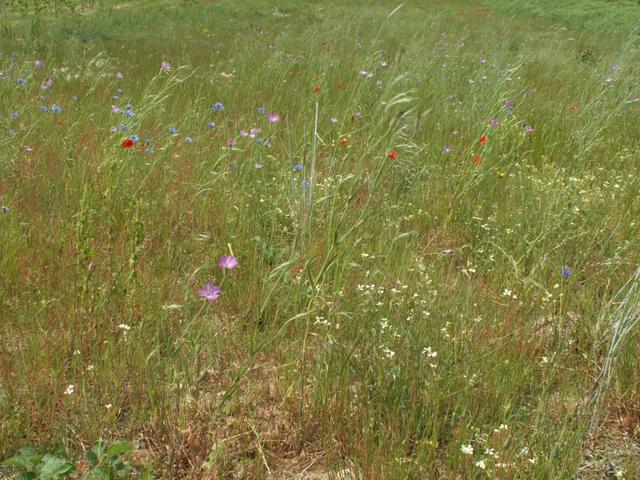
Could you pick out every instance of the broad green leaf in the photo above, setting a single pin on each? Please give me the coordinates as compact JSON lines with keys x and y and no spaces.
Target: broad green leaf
{"x":119,"y":448}
{"x":95,"y":453}
{"x":54,"y":468}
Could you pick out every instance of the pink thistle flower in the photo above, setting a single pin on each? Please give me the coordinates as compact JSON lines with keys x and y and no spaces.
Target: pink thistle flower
{"x":210,"y":292}
{"x":38,"y":63}
{"x":273,"y":117}
{"x":119,"y":75}
{"x":165,"y":66}
{"x":227,"y":262}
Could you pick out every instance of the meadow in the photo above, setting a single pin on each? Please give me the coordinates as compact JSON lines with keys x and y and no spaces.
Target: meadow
{"x":318,"y":240}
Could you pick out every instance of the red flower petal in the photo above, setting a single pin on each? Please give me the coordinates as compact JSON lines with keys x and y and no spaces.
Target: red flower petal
{"x":128,"y":143}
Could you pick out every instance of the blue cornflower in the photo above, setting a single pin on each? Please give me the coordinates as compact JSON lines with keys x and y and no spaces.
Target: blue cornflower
{"x":56,"y":108}
{"x":217,"y":107}
{"x":298,"y":168}
{"x":130,"y":113}
{"x":149,"y":150}
{"x":262,"y":110}
{"x":567,"y":272}
{"x":259,"y":140}
{"x":211,"y":124}
{"x":173,"y":130}
{"x":123,"y":127}
{"x":20,"y":81}
{"x":14,"y":115}
{"x":188,"y":139}
{"x":135,"y":138}
{"x":114,"y":97}
{"x":74,"y":98}
{"x":119,"y":90}
{"x":44,"y":108}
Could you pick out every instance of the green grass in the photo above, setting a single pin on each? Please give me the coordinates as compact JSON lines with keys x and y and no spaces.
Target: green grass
{"x":386,"y":313}
{"x":603,"y":17}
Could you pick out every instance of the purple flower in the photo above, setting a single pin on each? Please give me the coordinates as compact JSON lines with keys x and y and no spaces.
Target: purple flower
{"x":494,"y":122}
{"x":165,"y":66}
{"x":566,"y":272}
{"x":446,"y":149}
{"x":211,"y":124}
{"x":227,"y":262}
{"x":298,"y":168}
{"x":528,"y":128}
{"x":210,"y":292}
{"x":273,"y":117}
{"x":119,"y":75}
{"x":231,"y":142}
{"x":38,"y":63}
{"x":253,"y":132}
{"x":48,"y":83}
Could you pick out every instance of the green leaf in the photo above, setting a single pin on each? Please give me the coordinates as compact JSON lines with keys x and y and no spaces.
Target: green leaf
{"x":95,"y":453}
{"x":25,"y":460}
{"x":54,"y":468}
{"x":119,"y":448}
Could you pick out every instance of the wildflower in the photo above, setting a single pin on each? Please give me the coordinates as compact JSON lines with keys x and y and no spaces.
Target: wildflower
{"x":135,"y":138}
{"x":494,"y":122}
{"x":44,"y":108}
{"x":566,"y":272}
{"x":333,"y":120}
{"x":230,"y":142}
{"x":119,"y":75}
{"x":298,"y":167}
{"x":56,"y":108}
{"x":165,"y":66}
{"x":210,"y":292}
{"x":253,"y":132}
{"x":218,"y":106}
{"x":446,"y":149}
{"x":20,"y":81}
{"x":343,"y":141}
{"x":48,"y":83}
{"x":383,"y":63}
{"x":38,"y":63}
{"x":69,"y":390}
{"x":393,"y":155}
{"x":481,"y":464}
{"x":14,"y":115}
{"x":244,"y":133}
{"x":258,"y":165}
{"x":173,"y":130}
{"x":211,"y":124}
{"x":305,"y":184}
{"x":608,"y":80}
{"x":74,"y":98}
{"x":508,"y":104}
{"x":483,"y":139}
{"x":476,"y":160}
{"x":188,"y":140}
{"x":227,"y":262}
{"x":316,"y":89}
{"x":467,"y":449}
{"x":127,"y":143}
{"x":528,"y":128}
{"x":273,"y":117}
{"x":262,"y":110}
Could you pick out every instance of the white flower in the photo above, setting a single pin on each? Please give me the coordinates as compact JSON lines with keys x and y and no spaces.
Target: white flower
{"x":69,"y":390}
{"x":480,"y":464}
{"x":467,"y":449}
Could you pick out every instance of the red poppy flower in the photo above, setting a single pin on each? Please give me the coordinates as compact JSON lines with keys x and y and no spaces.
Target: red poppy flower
{"x":128,"y":143}
{"x":60,"y":122}
{"x":343,"y":141}
{"x":483,"y":139}
{"x":476,"y":160}
{"x":393,"y":155}
{"x":317,"y":89}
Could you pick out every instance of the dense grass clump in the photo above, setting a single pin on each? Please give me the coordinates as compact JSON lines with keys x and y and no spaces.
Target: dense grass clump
{"x":433,"y":211}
